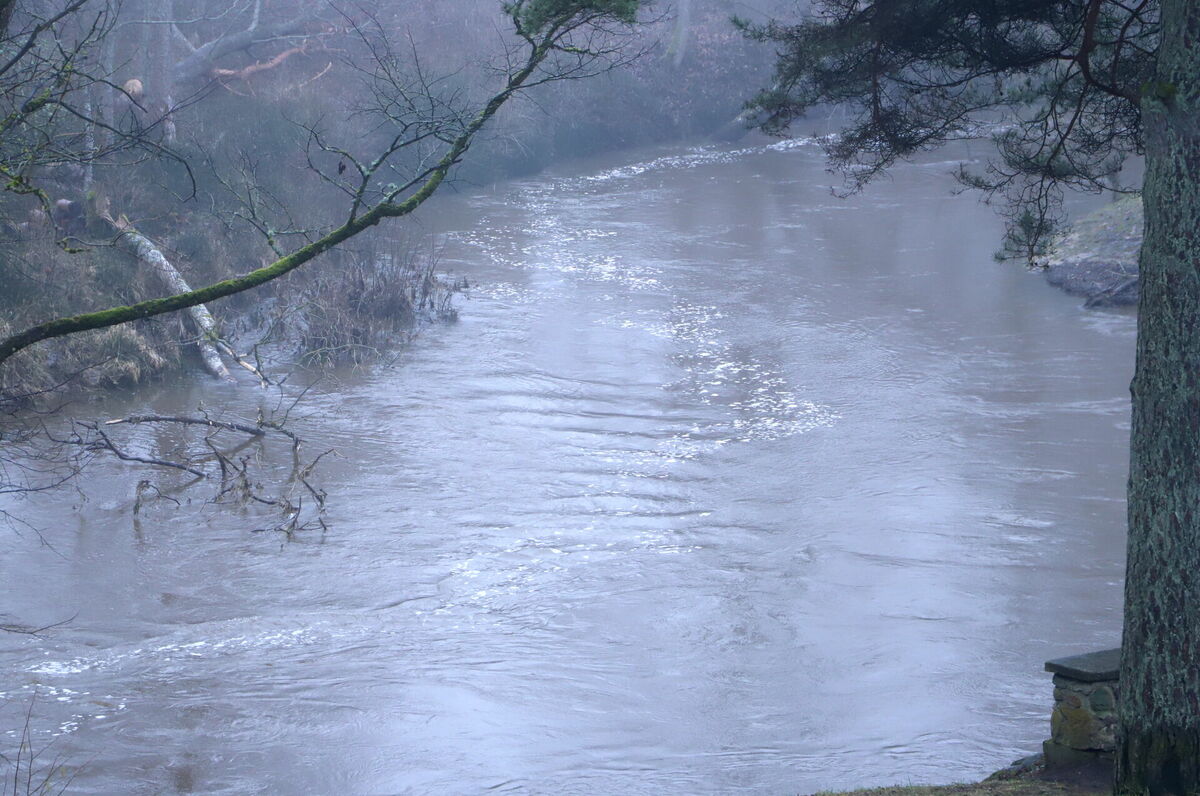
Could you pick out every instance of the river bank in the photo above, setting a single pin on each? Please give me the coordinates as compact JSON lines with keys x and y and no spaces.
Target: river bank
{"x":713,"y":488}
{"x":1025,"y":777}
{"x":1097,"y":257}
{"x":1094,"y":780}
{"x":1016,"y":787}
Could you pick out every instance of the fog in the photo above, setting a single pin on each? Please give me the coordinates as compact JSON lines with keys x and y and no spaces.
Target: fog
{"x":618,"y":453}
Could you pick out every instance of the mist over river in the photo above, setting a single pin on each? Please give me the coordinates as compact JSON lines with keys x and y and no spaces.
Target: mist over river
{"x":720,"y":484}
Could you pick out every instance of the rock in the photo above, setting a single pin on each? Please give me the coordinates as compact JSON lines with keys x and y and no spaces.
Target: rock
{"x":1058,"y":756}
{"x":1102,"y":700}
{"x":1091,"y":667}
{"x":1097,"y":257}
{"x":1077,"y":728}
{"x":1019,"y":768}
{"x":1073,"y":700}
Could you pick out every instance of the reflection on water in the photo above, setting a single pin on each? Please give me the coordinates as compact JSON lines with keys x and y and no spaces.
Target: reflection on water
{"x":721,"y":483}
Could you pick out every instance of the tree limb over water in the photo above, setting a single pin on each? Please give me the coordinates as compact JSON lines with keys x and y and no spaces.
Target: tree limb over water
{"x":560,"y":39}
{"x":1078,"y":84}
{"x":1056,"y":85}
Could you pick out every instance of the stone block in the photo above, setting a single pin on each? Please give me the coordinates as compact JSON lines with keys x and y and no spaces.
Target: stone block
{"x":1076,"y":727}
{"x":1059,"y":756}
{"x":1103,"y":700}
{"x":1092,"y":667}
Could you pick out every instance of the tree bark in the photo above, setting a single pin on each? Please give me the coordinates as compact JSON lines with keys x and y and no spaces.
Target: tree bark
{"x":1158,"y":749}
{"x":166,"y":91}
{"x":89,"y":143}
{"x":145,"y":250}
{"x":107,"y":107}
{"x":200,"y":63}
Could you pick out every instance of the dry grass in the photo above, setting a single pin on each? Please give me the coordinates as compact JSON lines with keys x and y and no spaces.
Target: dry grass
{"x":356,"y":304}
{"x":1112,"y":233}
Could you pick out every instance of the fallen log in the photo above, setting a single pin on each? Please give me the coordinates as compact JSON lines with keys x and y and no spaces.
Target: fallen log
{"x":150,"y":254}
{"x":200,"y":63}
{"x":146,"y":252}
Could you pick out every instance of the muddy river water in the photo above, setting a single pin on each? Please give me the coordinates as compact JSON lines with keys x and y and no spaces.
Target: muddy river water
{"x":721,"y":483}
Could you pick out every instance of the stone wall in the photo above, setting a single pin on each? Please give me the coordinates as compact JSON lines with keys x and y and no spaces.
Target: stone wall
{"x":1085,"y":714}
{"x":1084,"y":721}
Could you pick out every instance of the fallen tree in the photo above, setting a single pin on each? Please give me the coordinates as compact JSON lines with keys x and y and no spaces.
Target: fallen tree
{"x":206,"y":326}
{"x":201,"y":62}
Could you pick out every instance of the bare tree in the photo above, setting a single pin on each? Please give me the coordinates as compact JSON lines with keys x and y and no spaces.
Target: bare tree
{"x":554,"y":40}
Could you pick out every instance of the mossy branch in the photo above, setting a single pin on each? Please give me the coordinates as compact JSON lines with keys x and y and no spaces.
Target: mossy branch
{"x":390,"y":207}
{"x":113,"y":316}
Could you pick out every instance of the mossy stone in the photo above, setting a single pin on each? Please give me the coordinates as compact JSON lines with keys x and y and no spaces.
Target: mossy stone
{"x":1102,"y":700}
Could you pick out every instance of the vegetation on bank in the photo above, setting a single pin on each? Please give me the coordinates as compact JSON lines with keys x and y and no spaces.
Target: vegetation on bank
{"x":1012,"y":787}
{"x":226,"y":177}
{"x":1025,"y":777}
{"x":1097,"y":255}
{"x":368,"y":298}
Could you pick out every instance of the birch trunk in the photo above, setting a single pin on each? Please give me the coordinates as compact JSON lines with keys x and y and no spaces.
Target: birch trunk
{"x":145,"y":250}
{"x":89,"y":144}
{"x":164,"y":68}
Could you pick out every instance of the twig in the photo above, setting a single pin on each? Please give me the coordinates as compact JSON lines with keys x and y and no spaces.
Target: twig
{"x":106,"y":443}
{"x":188,"y":421}
{"x":27,"y":632}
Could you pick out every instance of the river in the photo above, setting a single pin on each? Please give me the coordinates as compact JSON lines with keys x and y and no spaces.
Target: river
{"x":721,"y":483}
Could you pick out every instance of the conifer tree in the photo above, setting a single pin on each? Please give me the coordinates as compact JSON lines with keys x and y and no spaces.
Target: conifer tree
{"x":1067,"y":89}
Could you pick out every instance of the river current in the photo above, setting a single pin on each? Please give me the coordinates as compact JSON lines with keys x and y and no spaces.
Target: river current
{"x":721,"y":483}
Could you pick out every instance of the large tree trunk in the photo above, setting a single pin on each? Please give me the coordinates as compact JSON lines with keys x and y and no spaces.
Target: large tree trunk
{"x":1159,"y":741}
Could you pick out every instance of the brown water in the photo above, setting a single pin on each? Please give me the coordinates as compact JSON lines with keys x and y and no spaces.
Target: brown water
{"x":721,"y":484}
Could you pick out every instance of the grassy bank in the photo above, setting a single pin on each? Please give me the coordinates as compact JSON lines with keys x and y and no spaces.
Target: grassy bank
{"x":360,"y":301}
{"x":1017,"y":787}
{"x":1026,"y":777}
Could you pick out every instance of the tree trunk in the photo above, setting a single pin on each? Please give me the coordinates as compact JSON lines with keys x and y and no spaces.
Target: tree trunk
{"x":107,"y":108}
{"x":679,"y":36}
{"x":89,"y":142}
{"x":145,"y":250}
{"x":165,"y":69}
{"x":199,"y":64}
{"x":1158,"y":748}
